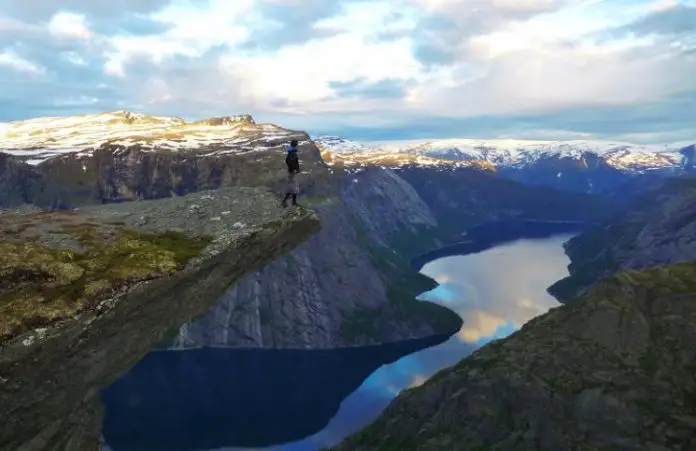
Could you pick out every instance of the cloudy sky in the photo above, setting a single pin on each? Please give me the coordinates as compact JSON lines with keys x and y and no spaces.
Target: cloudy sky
{"x":366,"y":69}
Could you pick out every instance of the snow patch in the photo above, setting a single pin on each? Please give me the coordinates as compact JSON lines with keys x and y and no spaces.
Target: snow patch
{"x":452,"y":153}
{"x":36,"y":140}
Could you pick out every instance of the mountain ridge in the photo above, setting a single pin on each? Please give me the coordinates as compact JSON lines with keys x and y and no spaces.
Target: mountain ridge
{"x":514,"y":153}
{"x":37,"y":140}
{"x":656,"y":229}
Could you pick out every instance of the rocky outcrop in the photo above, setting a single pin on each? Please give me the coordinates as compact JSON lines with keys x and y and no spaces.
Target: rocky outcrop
{"x":340,"y":287}
{"x":658,"y":228}
{"x":115,"y":173}
{"x":613,"y":369}
{"x":142,"y":278}
{"x":352,"y":283}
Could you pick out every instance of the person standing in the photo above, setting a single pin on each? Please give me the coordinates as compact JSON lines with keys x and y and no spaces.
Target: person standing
{"x":292,"y":161}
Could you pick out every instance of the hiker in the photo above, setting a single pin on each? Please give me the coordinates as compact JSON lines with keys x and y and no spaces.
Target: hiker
{"x":293,"y":163}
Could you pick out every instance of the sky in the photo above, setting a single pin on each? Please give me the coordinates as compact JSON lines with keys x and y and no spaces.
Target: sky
{"x":363,"y":69}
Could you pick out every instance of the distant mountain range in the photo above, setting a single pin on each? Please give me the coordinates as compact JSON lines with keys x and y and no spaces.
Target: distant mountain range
{"x":607,"y":167}
{"x":518,"y":153}
{"x":586,"y":166}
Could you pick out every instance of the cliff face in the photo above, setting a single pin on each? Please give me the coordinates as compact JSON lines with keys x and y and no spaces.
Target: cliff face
{"x":114,"y":173}
{"x":352,"y":283}
{"x":337,"y":289}
{"x":611,"y":370}
{"x":589,"y":173}
{"x":113,"y":281}
{"x":658,"y":228}
{"x":19,"y":182}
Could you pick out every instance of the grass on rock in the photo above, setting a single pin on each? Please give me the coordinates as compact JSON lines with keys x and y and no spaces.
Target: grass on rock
{"x":41,"y":285}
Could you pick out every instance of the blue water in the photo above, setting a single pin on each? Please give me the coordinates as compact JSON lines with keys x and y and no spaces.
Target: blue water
{"x":495,"y":292}
{"x":275,"y":397}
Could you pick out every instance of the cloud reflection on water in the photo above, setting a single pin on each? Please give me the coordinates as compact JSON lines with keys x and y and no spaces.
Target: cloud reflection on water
{"x":499,"y":290}
{"x":494,"y":291}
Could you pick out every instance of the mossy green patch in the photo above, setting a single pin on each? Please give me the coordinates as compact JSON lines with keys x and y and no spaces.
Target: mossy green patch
{"x":41,"y":285}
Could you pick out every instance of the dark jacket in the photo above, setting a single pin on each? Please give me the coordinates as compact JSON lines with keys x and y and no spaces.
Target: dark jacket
{"x":292,"y":160}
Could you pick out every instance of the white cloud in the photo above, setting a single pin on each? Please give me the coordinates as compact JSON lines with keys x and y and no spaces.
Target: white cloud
{"x":9,"y":58}
{"x":74,"y":58}
{"x":194,"y":31}
{"x":663,"y":5}
{"x":302,"y":74}
{"x":72,"y":25}
{"x":75,"y":101}
{"x":503,"y":57}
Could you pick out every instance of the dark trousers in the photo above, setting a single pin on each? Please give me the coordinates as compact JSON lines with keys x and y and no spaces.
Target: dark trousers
{"x":288,"y":196}
{"x":292,"y":189}
{"x":293,"y":162}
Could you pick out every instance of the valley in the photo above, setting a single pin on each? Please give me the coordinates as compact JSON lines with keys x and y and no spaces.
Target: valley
{"x":338,"y":273}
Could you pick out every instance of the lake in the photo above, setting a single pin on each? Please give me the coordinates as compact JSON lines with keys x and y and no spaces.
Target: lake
{"x":300,"y":400}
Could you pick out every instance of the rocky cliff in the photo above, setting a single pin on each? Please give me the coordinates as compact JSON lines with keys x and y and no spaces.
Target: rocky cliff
{"x":352,"y":284}
{"x":324,"y":295}
{"x":340,"y":287}
{"x":84,"y":295}
{"x":658,"y":228}
{"x":613,"y":369}
{"x":116,"y":173}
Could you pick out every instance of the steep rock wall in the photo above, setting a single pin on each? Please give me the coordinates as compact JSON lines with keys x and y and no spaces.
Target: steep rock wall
{"x":336,"y":289}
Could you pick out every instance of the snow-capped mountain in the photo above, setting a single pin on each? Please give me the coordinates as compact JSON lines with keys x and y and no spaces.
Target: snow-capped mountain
{"x":353,"y":156}
{"x":584,"y":166}
{"x":36,"y":140}
{"x":509,"y":153}
{"x":587,"y":166}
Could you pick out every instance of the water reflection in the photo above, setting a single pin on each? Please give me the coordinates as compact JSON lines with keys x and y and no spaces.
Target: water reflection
{"x":495,"y":292}
{"x":499,"y":290}
{"x":212,"y":397}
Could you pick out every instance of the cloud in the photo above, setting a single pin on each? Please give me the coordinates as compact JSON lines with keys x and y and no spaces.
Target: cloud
{"x":441,"y":36}
{"x":668,"y":18}
{"x":41,"y":10}
{"x":380,"y":68}
{"x":10,"y":59}
{"x":360,"y":88}
{"x":70,"y":25}
{"x":291,"y":22}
